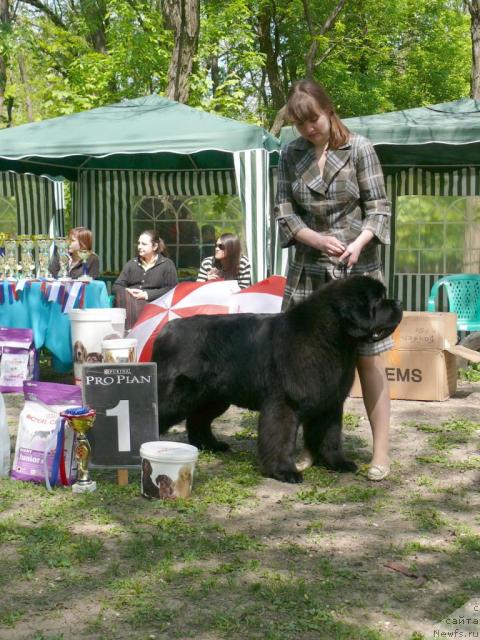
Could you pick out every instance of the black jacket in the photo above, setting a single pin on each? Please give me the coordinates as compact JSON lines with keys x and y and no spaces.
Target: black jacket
{"x":155,"y":281}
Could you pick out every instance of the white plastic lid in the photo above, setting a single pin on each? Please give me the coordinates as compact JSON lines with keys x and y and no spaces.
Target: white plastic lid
{"x":119,"y":343}
{"x":166,"y":451}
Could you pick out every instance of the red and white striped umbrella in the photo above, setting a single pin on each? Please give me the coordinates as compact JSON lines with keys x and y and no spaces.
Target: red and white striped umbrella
{"x":210,"y":298}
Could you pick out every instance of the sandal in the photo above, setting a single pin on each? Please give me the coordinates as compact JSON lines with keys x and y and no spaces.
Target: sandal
{"x":304,"y":460}
{"x":378,"y":472}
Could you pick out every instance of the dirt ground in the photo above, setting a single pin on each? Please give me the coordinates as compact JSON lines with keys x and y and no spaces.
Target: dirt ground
{"x":413,"y":574}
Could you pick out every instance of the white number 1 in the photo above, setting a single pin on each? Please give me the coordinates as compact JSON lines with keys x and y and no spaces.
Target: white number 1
{"x":122,"y":412}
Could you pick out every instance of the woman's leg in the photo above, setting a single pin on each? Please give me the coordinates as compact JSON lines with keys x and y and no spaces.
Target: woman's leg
{"x":376,"y":397}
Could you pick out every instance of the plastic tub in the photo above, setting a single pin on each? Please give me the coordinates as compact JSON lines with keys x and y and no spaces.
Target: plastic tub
{"x":119,"y":351}
{"x":89,"y":328}
{"x":167,"y":469}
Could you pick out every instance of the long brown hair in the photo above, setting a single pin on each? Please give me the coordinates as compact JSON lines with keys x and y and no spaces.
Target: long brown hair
{"x":156,"y":239}
{"x":84,"y":237}
{"x":233,"y":252}
{"x":305,"y":99}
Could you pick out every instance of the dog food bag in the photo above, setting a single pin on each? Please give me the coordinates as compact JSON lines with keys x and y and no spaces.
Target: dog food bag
{"x":19,"y":359}
{"x":43,"y":403}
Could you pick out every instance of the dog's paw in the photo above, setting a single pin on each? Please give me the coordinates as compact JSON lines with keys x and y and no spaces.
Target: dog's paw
{"x":219,"y":446}
{"x":291,"y":476}
{"x":215,"y":446}
{"x":346,"y":465}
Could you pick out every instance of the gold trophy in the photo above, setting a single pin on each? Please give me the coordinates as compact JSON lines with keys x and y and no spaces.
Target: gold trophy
{"x":84,"y":254}
{"x":11,"y":258}
{"x":3,"y":236}
{"x":63,"y":257}
{"x":43,"y":243}
{"x":81,"y":420}
{"x":27,"y":260}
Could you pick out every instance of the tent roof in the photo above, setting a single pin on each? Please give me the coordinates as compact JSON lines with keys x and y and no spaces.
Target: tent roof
{"x":146,"y":133}
{"x":445,"y":134}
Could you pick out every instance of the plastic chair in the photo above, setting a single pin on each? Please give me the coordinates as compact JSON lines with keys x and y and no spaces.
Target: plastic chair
{"x":463,"y":293}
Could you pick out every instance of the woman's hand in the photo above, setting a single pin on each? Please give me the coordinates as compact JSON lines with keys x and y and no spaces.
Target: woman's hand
{"x":352,"y":252}
{"x":330,"y":245}
{"x":138,"y":294}
{"x":213,"y":274}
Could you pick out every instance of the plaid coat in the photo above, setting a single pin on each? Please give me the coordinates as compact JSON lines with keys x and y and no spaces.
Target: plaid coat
{"x":348,"y":198}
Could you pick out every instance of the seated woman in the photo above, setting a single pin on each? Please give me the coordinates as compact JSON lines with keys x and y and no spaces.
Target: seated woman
{"x":228,"y":263}
{"x":144,"y":278}
{"x":79,"y":238}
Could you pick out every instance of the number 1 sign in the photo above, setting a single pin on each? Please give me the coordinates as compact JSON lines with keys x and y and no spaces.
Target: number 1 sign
{"x":125,"y":399}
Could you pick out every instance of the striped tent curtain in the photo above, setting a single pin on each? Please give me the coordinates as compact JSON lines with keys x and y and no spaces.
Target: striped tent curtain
{"x":7,"y":184}
{"x":38,"y":200}
{"x":253,"y":186}
{"x":413,"y":289}
{"x":279,"y":257}
{"x":104,"y":202}
{"x":57,"y":225}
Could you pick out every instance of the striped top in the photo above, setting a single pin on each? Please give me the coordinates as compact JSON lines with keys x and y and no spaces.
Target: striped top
{"x":243,"y":278}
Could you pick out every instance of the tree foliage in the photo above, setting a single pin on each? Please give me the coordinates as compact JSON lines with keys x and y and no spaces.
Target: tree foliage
{"x":64,"y":56}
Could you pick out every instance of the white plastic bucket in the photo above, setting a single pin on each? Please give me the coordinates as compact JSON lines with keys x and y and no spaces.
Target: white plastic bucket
{"x":167,"y":469}
{"x":119,"y":351}
{"x":89,"y":328}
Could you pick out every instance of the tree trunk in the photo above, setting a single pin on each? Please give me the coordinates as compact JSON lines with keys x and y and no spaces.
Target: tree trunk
{"x":311,"y":57}
{"x":266,"y":19}
{"x":183,"y":18}
{"x":474,"y":9}
{"x":5,"y":27}
{"x":26,"y":84}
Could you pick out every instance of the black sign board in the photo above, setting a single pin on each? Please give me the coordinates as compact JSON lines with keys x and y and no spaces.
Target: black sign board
{"x":125,"y":399}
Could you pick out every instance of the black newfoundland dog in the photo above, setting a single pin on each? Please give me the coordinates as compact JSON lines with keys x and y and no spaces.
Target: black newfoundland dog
{"x":294,"y":368}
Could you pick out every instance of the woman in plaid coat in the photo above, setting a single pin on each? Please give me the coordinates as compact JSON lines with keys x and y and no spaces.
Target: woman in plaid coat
{"x":332,"y":207}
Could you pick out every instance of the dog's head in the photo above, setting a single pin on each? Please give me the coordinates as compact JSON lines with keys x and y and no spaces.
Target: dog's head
{"x":79,"y":352}
{"x":146,"y":468}
{"x":94,"y":356}
{"x":366,"y":313}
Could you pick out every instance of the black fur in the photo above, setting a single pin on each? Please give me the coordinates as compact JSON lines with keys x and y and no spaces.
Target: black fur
{"x":294,"y":367}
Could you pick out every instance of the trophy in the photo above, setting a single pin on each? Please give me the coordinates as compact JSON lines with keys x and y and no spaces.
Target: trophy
{"x":43,"y":243}
{"x":81,"y":419}
{"x":63,"y":256}
{"x":27,"y":260}
{"x":11,"y":258}
{"x":84,"y":254}
{"x":3,"y":237}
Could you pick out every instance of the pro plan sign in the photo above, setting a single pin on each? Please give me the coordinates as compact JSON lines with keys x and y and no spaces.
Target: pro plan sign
{"x":125,"y":399}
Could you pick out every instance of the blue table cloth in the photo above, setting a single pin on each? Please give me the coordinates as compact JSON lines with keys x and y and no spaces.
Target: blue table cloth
{"x":51,"y":327}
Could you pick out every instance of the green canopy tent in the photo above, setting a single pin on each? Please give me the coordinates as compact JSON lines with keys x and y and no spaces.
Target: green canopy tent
{"x":39,"y":203}
{"x":431,"y":150}
{"x":149,"y":146}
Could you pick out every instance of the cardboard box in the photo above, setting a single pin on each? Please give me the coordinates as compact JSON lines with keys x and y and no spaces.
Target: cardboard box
{"x":423,"y":363}
{"x":424,"y":330}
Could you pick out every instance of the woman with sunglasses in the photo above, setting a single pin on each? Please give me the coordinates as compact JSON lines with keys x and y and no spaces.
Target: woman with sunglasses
{"x":331,"y":205}
{"x":228,"y":263}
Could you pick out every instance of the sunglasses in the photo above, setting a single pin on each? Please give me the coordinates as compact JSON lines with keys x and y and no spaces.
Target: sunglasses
{"x":220,"y":246}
